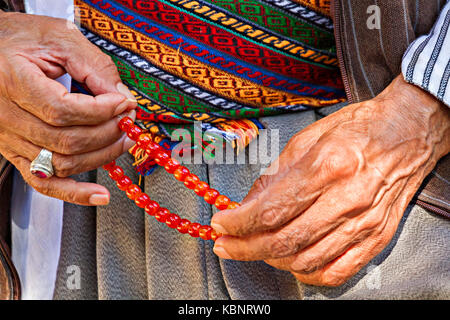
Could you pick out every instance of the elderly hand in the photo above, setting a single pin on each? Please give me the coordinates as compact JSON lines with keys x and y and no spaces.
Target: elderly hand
{"x":37,"y":112}
{"x":341,"y":187}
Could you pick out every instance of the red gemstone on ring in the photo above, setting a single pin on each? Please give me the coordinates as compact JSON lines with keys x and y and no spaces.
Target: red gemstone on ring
{"x":39,"y":174}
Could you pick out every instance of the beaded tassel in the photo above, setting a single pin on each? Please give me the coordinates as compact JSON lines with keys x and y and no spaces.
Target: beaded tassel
{"x":181,"y":173}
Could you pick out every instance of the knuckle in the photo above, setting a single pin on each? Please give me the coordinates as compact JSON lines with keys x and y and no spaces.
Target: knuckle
{"x":71,"y":196}
{"x":41,"y":186}
{"x":270,"y":217}
{"x":65,"y":166}
{"x":338,"y":159}
{"x":307,"y":265}
{"x":284,"y":244}
{"x":69,"y":143}
{"x":54,"y":116}
{"x":105,"y":62}
{"x":272,"y":214}
{"x":108,"y":62}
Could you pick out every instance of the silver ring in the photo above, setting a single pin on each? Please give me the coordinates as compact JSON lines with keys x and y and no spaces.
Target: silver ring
{"x":41,"y":166}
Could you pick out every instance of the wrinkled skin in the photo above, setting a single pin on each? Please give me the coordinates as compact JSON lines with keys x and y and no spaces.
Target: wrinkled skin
{"x":37,"y":112}
{"x":341,"y":188}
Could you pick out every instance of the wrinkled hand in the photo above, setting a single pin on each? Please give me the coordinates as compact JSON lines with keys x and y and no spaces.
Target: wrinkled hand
{"x":341,"y":187}
{"x":37,"y":112}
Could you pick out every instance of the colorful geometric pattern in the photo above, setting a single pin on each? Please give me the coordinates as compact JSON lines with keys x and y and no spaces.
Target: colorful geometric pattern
{"x":222,"y":62}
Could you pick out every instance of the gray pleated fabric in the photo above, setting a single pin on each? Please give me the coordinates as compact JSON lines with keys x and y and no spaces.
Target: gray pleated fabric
{"x":137,"y":257}
{"x":78,"y":249}
{"x":121,"y":247}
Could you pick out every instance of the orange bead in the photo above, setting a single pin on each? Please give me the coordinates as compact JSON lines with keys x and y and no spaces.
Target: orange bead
{"x":162,"y":214}
{"x":211,"y":196}
{"x":123,"y":183}
{"x":161,"y":157}
{"x":233,"y":205}
{"x":193,"y":229}
{"x":171,"y":165}
{"x":143,"y":141}
{"x":142,"y":200}
{"x":173,"y":220}
{"x":116,"y":173}
{"x":152,"y":149}
{"x":152,"y":207}
{"x":215,"y":235}
{"x":133,"y":191}
{"x":201,"y":188}
{"x":204,"y":232}
{"x":191,"y":181}
{"x":110,"y":165}
{"x":134,"y":132}
{"x":125,"y":123}
{"x":181,"y":173}
{"x":222,"y":202}
{"x":183,"y":226}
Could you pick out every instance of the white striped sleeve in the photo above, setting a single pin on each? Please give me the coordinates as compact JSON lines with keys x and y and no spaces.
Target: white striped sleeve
{"x":426,"y":63}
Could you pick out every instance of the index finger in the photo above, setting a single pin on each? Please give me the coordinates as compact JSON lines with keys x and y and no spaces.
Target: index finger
{"x":50,"y":101}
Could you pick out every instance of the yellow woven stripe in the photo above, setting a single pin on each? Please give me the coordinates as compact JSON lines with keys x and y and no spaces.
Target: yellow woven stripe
{"x":322,"y":6}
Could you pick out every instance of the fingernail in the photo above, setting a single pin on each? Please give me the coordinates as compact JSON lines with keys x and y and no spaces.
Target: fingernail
{"x":99,"y":199}
{"x":122,"y":107}
{"x":221,"y":252}
{"x":219,"y":228}
{"x":126,"y":92}
{"x":131,"y":114}
{"x":128,"y":143}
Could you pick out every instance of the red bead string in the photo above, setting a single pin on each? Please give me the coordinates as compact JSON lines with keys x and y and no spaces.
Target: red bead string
{"x":181,"y":173}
